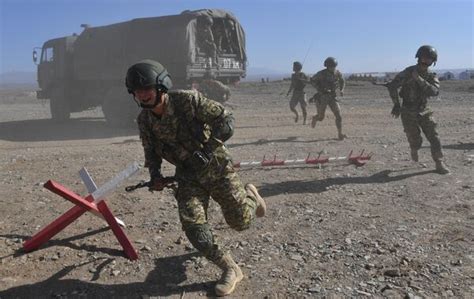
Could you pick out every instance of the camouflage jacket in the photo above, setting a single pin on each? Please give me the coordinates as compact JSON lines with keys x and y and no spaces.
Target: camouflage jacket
{"x":205,"y":38}
{"x":327,"y":82}
{"x":184,"y":128}
{"x":414,"y":92}
{"x":298,"y":82}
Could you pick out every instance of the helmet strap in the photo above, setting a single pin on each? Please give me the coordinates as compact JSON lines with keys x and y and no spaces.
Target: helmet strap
{"x":152,"y":106}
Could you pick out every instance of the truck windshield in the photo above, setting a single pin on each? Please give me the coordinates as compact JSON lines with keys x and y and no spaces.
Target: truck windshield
{"x":47,"y":55}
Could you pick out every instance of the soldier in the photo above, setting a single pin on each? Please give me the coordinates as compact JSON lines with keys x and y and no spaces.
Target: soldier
{"x":214,"y":89}
{"x":327,"y":82}
{"x":206,"y":39}
{"x":298,"y":82}
{"x":417,"y":85}
{"x":188,"y":130}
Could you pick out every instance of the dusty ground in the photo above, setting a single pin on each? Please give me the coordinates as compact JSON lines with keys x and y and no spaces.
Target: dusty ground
{"x":392,"y":228}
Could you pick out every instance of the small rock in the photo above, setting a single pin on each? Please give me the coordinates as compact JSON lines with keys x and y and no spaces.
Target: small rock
{"x":392,"y":272}
{"x":456,"y":263}
{"x":296,"y":257}
{"x":115,"y":272}
{"x":390,"y":293}
{"x":315,"y":289}
{"x":450,"y":293}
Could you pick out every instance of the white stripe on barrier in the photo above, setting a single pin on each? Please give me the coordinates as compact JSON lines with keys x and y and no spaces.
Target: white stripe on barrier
{"x":91,"y":187}
{"x":113,"y":183}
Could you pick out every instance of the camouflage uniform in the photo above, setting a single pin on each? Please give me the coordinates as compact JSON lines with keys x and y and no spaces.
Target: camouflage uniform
{"x":327,"y":83}
{"x":415,"y":114}
{"x":215,"y":90}
{"x":206,"y":41}
{"x":298,"y":83}
{"x":182,"y":136}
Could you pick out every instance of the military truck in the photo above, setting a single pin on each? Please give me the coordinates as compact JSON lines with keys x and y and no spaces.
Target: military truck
{"x":84,"y":71}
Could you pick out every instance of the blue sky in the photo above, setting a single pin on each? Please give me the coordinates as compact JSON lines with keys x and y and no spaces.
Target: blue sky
{"x":364,"y":35}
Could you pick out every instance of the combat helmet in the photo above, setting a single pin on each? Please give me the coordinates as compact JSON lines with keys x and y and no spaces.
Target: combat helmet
{"x":297,"y":66}
{"x":427,"y":51}
{"x":147,"y":73}
{"x":330,"y":62}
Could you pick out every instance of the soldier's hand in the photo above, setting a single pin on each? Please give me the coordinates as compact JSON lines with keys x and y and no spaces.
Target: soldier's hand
{"x":159,"y":184}
{"x":396,"y":111}
{"x":342,"y":93}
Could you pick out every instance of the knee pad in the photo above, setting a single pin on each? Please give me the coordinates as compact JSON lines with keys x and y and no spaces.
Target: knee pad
{"x":201,"y":237}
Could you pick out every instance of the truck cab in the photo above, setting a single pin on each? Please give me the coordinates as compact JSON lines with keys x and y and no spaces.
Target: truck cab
{"x":54,"y":72}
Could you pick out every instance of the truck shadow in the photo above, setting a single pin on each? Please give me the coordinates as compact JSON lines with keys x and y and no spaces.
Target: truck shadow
{"x":48,"y":130}
{"x":165,"y":280}
{"x":319,"y":186}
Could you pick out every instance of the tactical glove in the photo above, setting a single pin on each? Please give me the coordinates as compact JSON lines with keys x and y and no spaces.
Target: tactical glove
{"x":158,"y":184}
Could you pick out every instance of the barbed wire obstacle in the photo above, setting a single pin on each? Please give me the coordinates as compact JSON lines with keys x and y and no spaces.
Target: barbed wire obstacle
{"x":357,"y":160}
{"x":94,"y":202}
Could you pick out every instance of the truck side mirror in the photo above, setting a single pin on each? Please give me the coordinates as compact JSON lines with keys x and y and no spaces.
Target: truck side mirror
{"x":35,"y":56}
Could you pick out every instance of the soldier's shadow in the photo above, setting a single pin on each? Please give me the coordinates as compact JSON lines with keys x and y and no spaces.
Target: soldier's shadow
{"x":319,"y":186}
{"x":460,"y":146}
{"x":165,"y":280}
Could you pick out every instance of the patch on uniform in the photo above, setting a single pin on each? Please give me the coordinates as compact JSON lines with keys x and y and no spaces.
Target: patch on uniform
{"x":214,"y":109}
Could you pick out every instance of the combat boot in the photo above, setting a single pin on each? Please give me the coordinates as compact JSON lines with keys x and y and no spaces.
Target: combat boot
{"x":296,"y":118}
{"x":341,"y":136}
{"x":414,"y":155}
{"x":441,"y":168}
{"x":261,"y":205}
{"x":230,"y":277}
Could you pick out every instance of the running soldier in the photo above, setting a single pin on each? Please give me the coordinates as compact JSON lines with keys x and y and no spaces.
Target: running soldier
{"x":298,"y":83}
{"x":189,"y":130}
{"x":327,"y":82}
{"x":418,"y":84}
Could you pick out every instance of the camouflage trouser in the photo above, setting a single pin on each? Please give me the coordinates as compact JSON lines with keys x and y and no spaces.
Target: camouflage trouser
{"x":330,"y":100}
{"x":223,"y":184}
{"x":413,"y":124}
{"x":298,"y":97}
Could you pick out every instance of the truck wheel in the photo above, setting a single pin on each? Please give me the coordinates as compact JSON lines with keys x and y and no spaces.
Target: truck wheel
{"x":59,"y":107}
{"x":119,"y":109}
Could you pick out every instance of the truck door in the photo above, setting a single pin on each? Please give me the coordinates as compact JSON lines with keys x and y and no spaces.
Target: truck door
{"x":46,"y":68}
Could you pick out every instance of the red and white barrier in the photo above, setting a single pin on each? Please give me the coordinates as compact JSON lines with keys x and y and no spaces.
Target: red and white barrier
{"x":94,"y":202}
{"x":357,"y":160}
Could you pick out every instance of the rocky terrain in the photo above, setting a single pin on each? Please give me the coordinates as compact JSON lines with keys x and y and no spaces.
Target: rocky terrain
{"x":392,"y":228}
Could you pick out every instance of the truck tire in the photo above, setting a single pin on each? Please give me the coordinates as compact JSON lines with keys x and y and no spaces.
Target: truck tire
{"x":119,"y":108}
{"x":58,"y":105}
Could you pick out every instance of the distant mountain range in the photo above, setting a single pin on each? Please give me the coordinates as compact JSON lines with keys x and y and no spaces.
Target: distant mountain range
{"x":25,"y":78}
{"x":18,"y":78}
